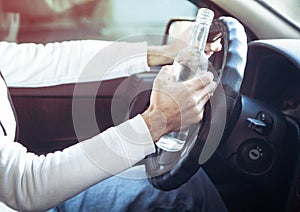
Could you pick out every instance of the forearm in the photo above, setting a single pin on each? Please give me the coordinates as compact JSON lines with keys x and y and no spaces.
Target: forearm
{"x":30,"y":182}
{"x":160,"y":55}
{"x":165,"y":54}
{"x":35,"y":65}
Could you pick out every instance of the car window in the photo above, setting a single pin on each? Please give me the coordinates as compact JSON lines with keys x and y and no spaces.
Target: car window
{"x":143,"y":16}
{"x":52,"y":20}
{"x":288,"y":9}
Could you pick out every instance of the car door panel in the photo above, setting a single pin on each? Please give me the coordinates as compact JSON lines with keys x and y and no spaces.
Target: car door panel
{"x":45,"y":115}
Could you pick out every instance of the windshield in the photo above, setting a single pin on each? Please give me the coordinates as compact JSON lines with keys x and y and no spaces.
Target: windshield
{"x":58,"y":20}
{"x":289,"y":9}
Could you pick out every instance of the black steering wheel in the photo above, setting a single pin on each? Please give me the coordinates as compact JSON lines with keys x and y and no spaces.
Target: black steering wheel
{"x":169,"y":170}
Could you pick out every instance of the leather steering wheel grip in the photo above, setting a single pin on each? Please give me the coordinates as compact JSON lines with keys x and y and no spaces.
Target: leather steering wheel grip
{"x":229,"y":65}
{"x":233,"y":59}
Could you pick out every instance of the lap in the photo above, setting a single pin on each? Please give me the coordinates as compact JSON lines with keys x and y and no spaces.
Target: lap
{"x":131,"y":191}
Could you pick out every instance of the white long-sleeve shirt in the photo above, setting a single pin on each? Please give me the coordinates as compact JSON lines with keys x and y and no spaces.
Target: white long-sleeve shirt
{"x":36,"y":65}
{"x":31,"y":182}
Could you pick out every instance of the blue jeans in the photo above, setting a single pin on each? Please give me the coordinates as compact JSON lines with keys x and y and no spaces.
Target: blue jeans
{"x":131,"y":191}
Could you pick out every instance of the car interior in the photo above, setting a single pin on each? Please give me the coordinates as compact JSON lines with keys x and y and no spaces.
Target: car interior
{"x":255,"y":164}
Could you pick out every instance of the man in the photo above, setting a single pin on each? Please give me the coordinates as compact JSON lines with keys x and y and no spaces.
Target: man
{"x":31,"y":182}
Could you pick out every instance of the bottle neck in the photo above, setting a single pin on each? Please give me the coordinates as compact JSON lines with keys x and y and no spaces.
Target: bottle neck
{"x":199,"y":36}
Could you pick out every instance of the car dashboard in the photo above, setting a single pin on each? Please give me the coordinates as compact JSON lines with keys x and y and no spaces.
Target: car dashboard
{"x":273,"y":75}
{"x":264,"y":158}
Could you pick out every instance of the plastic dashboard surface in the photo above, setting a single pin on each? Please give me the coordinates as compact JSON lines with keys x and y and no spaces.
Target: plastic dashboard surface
{"x":273,"y":74}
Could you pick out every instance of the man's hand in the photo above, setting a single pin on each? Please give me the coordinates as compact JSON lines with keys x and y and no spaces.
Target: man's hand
{"x":162,"y":55}
{"x":212,"y":47}
{"x":174,"y":105}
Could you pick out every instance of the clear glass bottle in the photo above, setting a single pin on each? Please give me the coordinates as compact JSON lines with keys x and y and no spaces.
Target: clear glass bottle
{"x":190,"y":62}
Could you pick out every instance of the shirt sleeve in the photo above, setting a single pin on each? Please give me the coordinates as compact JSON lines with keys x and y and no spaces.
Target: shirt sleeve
{"x":37,"y":65}
{"x":31,"y":182}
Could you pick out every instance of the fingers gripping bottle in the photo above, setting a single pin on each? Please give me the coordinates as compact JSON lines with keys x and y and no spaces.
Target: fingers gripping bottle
{"x":190,"y":62}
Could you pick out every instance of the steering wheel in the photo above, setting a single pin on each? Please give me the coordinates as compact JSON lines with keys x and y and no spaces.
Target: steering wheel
{"x":169,"y":170}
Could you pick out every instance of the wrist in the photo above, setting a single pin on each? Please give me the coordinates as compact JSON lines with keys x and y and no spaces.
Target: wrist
{"x":156,"y":123}
{"x":160,"y":55}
